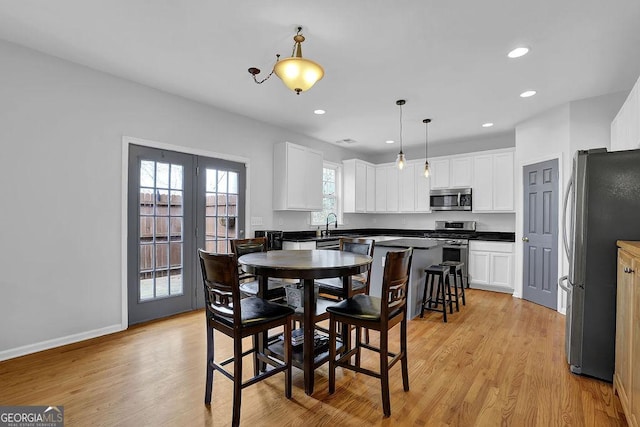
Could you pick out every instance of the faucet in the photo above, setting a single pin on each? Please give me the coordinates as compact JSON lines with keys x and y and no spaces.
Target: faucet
{"x":326,"y":231}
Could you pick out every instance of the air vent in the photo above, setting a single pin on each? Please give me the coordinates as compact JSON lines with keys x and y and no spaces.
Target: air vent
{"x":346,"y":141}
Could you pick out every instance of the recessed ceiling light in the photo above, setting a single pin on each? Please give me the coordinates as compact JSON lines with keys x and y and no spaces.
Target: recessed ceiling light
{"x":390,"y":141}
{"x":518,"y":52}
{"x":487,"y":125}
{"x":319,"y":112}
{"x":527,"y":93}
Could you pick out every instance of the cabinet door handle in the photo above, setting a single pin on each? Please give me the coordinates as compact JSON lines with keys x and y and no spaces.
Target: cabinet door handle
{"x":525,"y":239}
{"x":628,"y":270}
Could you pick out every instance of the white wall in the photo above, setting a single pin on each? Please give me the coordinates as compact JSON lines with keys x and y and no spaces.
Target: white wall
{"x":61,"y":130}
{"x":557,"y":134}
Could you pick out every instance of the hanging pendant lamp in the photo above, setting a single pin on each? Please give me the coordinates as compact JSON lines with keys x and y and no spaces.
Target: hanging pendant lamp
{"x":427,"y":172}
{"x":400,"y":160}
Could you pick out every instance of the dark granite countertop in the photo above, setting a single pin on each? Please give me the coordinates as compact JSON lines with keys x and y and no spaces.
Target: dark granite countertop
{"x":410,"y":242}
{"x":306,"y":236}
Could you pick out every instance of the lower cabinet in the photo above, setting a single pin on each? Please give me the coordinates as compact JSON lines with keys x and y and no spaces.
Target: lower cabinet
{"x":491,"y":266}
{"x":288,"y":245}
{"x":626,"y":378}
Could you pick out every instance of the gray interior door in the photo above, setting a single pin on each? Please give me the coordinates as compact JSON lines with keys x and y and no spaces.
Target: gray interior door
{"x":177,"y":203}
{"x":540,"y":234}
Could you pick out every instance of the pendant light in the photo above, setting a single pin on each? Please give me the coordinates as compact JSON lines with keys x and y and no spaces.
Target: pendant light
{"x":427,"y":172}
{"x":400,"y":160}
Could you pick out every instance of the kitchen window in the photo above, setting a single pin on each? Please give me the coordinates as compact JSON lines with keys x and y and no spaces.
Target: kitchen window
{"x":331,"y":197}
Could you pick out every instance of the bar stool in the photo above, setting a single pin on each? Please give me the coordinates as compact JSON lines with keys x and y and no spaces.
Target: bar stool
{"x":455,"y":268}
{"x":431,"y":302}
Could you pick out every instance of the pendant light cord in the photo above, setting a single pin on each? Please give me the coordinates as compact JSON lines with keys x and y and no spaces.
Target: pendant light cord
{"x":400,"y":128}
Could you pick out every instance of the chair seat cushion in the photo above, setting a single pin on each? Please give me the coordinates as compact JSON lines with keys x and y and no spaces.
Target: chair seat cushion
{"x":360,"y":306}
{"x":255,"y":310}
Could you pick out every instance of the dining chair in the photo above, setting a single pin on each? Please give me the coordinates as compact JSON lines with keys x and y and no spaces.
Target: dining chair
{"x":380,"y":314}
{"x":359,"y":282}
{"x":237,"y":318}
{"x":249,"y":282}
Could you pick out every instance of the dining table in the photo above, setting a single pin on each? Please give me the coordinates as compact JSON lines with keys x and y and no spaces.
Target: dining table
{"x":305,"y":266}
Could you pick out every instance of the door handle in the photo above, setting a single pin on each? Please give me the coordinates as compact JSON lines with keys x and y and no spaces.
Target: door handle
{"x":628,"y":270}
{"x":525,"y":239}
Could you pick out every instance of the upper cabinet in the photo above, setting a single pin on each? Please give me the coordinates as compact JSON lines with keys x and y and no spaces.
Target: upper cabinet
{"x":625,"y":128}
{"x":359,"y":181}
{"x":297,"y":178}
{"x":387,"y":199}
{"x":369,"y":188}
{"x":422,"y":188}
{"x":403,"y":191}
{"x":493,"y":177}
{"x":451,"y":172}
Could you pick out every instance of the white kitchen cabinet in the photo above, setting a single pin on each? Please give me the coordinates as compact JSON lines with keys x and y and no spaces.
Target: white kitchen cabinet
{"x":451,"y":172}
{"x":407,"y":188}
{"x":387,"y":181}
{"x":440,"y":171}
{"x":359,"y":186}
{"x":493,"y":178}
{"x":491,"y":265}
{"x":461,"y":172}
{"x":421,"y":188}
{"x":625,"y":127}
{"x":297,"y":178}
{"x":371,"y":188}
{"x":289,"y":245}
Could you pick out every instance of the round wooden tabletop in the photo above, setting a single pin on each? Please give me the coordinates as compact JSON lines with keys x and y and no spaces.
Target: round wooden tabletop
{"x":305,"y":264}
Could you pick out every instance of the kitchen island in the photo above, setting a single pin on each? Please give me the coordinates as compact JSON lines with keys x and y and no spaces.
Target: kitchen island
{"x":426,"y":252}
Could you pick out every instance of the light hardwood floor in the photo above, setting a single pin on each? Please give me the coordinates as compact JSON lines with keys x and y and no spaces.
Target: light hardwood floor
{"x":499,"y":361}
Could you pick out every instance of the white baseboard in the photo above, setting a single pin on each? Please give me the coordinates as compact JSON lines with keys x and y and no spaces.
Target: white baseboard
{"x":494,"y":288}
{"x":57,"y":342}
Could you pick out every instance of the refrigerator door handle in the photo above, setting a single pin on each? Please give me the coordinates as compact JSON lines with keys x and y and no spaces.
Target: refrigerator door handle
{"x":566,"y":288}
{"x":565,"y":206}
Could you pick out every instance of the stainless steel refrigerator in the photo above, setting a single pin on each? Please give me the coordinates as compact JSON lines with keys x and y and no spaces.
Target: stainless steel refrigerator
{"x":601,"y":205}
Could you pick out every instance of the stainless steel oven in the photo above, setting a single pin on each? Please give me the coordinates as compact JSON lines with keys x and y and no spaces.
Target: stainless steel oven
{"x":455,"y":235}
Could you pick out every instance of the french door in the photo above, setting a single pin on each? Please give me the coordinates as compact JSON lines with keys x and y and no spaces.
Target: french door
{"x":177,"y":202}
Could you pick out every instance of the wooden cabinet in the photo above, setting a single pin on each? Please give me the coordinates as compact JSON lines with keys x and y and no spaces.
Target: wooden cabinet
{"x":625,"y":127}
{"x":626,"y":379}
{"x":491,"y":265}
{"x":451,"y":172}
{"x":493,"y":178}
{"x":358,"y":186}
{"x":297,"y":178}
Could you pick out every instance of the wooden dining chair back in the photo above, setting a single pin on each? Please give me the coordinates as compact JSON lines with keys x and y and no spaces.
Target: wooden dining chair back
{"x":360,"y":283}
{"x":237,"y":318}
{"x":381,"y":314}
{"x":248,"y":282}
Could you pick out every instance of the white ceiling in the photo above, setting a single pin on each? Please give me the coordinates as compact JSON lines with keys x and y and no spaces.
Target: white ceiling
{"x":446,"y":58}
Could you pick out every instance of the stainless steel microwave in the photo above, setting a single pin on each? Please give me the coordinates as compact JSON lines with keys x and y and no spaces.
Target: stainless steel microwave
{"x":451,"y":199}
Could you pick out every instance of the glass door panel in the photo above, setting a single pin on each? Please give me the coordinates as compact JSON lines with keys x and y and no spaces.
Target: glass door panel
{"x":171,"y":197}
